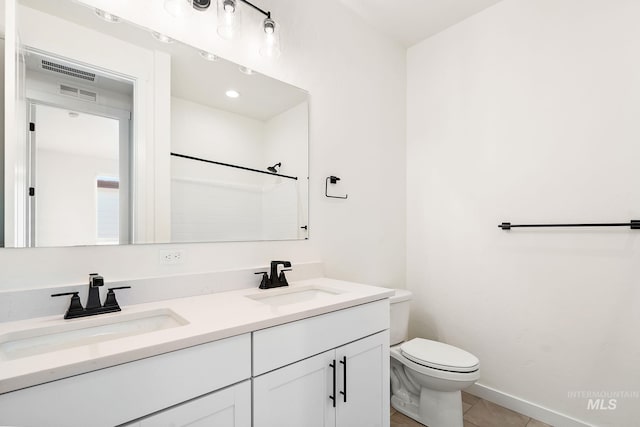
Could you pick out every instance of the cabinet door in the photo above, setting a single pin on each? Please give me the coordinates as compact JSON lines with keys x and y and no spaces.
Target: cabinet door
{"x":296,"y":395}
{"x":363,"y":400}
{"x":230,"y":407}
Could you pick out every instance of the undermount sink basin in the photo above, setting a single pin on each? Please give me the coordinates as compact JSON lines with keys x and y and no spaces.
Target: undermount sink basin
{"x":286,"y":296}
{"x":76,"y":333}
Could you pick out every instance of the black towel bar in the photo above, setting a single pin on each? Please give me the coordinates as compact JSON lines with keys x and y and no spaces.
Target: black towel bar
{"x":634,"y":224}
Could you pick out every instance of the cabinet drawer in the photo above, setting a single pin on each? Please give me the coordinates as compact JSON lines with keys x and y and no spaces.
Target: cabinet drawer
{"x":230,"y":407}
{"x":115,"y":395}
{"x":284,"y":344}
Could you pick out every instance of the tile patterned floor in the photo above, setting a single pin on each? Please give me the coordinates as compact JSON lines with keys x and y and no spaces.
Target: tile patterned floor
{"x":477,"y":413}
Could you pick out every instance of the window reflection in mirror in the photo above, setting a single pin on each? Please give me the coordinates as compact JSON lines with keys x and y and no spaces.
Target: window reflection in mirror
{"x":149,"y":99}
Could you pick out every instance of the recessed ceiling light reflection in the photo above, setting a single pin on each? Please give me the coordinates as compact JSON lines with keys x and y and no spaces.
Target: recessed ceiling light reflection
{"x":107,"y":16}
{"x":208,"y":56}
{"x":232,"y":93}
{"x":161,"y":37}
{"x":246,"y":70}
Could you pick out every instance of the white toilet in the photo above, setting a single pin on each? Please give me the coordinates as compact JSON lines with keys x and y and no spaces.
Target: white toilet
{"x":427,"y":376}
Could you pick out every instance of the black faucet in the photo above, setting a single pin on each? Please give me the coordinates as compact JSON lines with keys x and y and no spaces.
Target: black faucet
{"x":276,"y":280}
{"x":94,"y":306}
{"x":93,"y":300}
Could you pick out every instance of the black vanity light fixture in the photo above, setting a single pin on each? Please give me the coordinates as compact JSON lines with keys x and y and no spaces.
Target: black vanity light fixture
{"x":230,"y":18}
{"x":273,"y":168}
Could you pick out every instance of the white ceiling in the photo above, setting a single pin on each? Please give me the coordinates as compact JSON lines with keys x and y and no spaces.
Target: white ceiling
{"x":411,"y":21}
{"x":192,"y":77}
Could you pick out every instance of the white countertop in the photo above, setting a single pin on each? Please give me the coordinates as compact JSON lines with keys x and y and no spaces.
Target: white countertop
{"x":210,"y":318}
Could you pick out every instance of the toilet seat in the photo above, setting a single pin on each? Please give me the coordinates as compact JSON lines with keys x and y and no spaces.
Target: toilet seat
{"x":396,"y":353}
{"x":441,"y":356}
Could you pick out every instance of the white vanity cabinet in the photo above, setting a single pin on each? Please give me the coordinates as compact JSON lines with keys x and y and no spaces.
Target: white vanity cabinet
{"x":298,"y":367}
{"x":133,"y":390}
{"x":323,"y":368}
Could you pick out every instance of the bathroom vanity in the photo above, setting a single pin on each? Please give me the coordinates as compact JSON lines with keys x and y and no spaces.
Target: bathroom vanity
{"x":313,"y":354}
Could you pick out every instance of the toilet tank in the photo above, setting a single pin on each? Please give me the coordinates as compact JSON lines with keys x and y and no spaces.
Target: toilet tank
{"x":400,"y":304}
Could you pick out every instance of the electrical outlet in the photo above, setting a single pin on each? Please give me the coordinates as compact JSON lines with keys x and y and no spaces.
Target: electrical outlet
{"x":172,"y":256}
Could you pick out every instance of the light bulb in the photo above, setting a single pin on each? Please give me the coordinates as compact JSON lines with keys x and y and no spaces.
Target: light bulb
{"x":229,"y":6}
{"x":178,"y":8}
{"x":228,"y":18}
{"x":232,"y":93}
{"x":269,"y":25}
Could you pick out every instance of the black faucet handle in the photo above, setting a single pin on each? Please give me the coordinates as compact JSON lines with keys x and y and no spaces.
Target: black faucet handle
{"x":264,"y":283}
{"x":65,"y":293}
{"x":110,"y":301}
{"x":75,"y":306}
{"x":282,"y":279}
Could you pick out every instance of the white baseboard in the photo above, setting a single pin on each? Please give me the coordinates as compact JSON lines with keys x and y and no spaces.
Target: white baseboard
{"x":525,"y":407}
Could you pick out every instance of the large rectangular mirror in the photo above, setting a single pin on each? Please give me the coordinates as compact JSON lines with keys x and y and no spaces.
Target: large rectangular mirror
{"x":126,"y":137}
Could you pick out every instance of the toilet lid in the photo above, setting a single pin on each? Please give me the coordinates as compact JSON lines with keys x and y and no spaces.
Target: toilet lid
{"x":439,"y":355}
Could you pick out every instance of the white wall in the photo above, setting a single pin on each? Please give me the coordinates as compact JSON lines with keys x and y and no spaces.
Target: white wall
{"x":356,"y":79}
{"x":280,"y":206}
{"x":528,"y":112}
{"x":67,"y":197}
{"x":283,"y":134}
{"x":201,"y":131}
{"x":282,"y":141}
